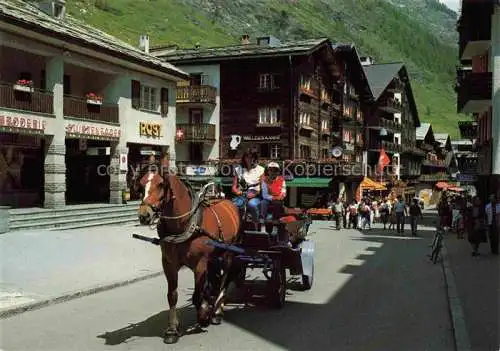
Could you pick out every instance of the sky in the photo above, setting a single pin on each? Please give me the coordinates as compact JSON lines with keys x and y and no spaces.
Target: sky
{"x":452,"y":4}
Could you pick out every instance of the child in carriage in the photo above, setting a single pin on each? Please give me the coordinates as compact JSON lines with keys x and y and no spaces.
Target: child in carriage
{"x":273,"y":192}
{"x":247,"y":184}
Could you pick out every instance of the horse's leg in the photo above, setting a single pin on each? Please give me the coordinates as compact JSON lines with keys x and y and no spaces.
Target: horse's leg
{"x":170,"y":268}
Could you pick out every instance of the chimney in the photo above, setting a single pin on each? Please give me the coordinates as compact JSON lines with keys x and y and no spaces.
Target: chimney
{"x":53,"y":8}
{"x":144,"y":43}
{"x":245,"y":39}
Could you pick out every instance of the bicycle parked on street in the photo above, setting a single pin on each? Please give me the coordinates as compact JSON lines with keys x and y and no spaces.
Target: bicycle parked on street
{"x":437,"y":244}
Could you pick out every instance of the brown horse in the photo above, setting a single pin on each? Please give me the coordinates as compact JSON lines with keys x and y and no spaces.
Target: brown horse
{"x":183,"y":244}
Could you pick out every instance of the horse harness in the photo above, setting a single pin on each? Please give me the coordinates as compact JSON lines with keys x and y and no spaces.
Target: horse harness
{"x":195,"y":216}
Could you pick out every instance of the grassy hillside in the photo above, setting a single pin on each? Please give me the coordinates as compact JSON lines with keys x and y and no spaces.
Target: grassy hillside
{"x":418,"y":32}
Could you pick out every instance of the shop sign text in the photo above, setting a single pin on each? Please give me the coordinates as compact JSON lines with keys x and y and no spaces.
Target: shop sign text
{"x":261,"y":138}
{"x":110,"y":132}
{"x":22,"y":123}
{"x":150,"y":129}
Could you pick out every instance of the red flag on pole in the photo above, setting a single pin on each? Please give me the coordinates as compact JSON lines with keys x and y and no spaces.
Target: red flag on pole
{"x":383,"y":160}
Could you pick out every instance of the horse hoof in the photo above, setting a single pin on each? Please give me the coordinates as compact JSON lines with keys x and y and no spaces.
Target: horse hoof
{"x":217,"y":320}
{"x":170,"y":338}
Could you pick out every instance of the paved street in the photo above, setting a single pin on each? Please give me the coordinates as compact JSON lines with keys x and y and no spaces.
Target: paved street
{"x":371,"y":292}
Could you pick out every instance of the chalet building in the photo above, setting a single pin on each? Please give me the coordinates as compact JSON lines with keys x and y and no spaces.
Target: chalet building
{"x":466,"y":155}
{"x":478,"y":84}
{"x":285,"y":100}
{"x":391,"y":122}
{"x":433,"y":166}
{"x":78,"y":108}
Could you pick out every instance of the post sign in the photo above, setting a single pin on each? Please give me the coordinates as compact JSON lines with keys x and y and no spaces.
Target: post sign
{"x":152,"y":130}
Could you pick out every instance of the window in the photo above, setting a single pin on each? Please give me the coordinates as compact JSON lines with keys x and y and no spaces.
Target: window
{"x":305,"y":119}
{"x":305,"y":83}
{"x":275,"y":151}
{"x":305,"y":151}
{"x":267,"y":81}
{"x":269,"y":115}
{"x":324,"y":125}
{"x":149,"y":98}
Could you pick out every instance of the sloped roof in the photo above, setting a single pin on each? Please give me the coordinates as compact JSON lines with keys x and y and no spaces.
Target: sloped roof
{"x":352,"y":59}
{"x":295,"y":47}
{"x":423,"y":130}
{"x":442,"y":138}
{"x":381,"y":75}
{"x":27,"y":15}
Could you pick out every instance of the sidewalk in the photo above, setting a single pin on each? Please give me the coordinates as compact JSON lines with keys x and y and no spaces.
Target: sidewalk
{"x":477,"y":281}
{"x":38,"y":267}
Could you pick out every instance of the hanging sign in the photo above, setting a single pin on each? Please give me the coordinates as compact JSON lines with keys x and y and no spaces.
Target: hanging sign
{"x":83,"y":129}
{"x":123,"y":162}
{"x":179,"y":134}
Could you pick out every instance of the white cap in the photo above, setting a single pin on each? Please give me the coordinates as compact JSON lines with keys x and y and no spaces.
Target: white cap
{"x":273,"y":165}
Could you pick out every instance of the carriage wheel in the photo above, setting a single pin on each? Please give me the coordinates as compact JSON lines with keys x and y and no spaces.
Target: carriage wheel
{"x":307,"y":281}
{"x":278,"y":284}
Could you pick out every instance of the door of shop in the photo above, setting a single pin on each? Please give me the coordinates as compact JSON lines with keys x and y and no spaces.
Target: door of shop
{"x":87,"y":171}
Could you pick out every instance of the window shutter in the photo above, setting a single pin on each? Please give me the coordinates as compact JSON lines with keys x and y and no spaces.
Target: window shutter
{"x":164,"y":101}
{"x":136,"y":94}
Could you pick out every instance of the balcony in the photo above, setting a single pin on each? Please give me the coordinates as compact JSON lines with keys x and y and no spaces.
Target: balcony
{"x":79,"y":108}
{"x":433,"y":163}
{"x":198,"y":132}
{"x":474,"y":29}
{"x":473,"y":91}
{"x":468,"y":129}
{"x":34,"y":100}
{"x":386,"y":145}
{"x":391,"y":105}
{"x":196,"y":94}
{"x":386,"y":124}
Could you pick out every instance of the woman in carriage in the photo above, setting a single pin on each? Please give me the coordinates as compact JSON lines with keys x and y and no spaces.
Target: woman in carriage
{"x":247,"y":184}
{"x":273,"y":192}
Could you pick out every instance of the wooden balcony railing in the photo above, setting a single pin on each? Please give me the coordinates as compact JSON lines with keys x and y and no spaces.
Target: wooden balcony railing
{"x":473,"y":86}
{"x":386,"y":145}
{"x":474,"y":24}
{"x":434,"y":163}
{"x":204,"y":94}
{"x":34,"y":101}
{"x":198,"y":132}
{"x":391,"y":105}
{"x":79,"y":108}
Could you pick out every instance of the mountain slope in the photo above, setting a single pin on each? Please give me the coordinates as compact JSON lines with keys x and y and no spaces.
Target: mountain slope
{"x":418,"y":32}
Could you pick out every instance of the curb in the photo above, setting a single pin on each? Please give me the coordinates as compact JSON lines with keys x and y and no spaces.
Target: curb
{"x":460,"y":333}
{"x":10,"y":312}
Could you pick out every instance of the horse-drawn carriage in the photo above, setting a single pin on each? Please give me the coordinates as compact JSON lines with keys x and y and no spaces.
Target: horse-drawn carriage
{"x":273,"y":245}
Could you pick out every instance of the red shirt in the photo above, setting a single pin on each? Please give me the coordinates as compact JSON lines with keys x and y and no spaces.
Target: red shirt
{"x":275,"y":187}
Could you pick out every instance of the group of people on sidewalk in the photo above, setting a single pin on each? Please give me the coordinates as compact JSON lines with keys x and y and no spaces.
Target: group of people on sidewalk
{"x":468,"y":215}
{"x":366,"y":212}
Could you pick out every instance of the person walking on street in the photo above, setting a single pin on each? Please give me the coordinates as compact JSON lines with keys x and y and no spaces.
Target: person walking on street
{"x":415,"y":214}
{"x":353,"y":215}
{"x":492,"y":216}
{"x":476,"y":232}
{"x":338,"y":209}
{"x":401,"y":213}
{"x":385,"y":212}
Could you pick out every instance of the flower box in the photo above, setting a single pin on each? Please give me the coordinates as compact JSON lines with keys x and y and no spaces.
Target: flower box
{"x":24,"y":88}
{"x":94,"y":102}
{"x":93,"y":99}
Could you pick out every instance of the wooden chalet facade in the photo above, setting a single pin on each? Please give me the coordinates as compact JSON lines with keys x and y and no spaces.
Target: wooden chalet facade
{"x":479,"y":35}
{"x":391,"y":123}
{"x":289,"y":101}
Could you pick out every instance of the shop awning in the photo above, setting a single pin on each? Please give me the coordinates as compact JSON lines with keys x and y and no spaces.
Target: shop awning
{"x":443,"y":185}
{"x":309,"y":183}
{"x":369,"y":184}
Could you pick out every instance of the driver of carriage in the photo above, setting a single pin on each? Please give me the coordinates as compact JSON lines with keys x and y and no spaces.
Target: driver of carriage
{"x":273,"y":192}
{"x":247,"y":184}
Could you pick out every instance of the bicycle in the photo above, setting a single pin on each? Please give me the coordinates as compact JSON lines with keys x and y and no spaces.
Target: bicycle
{"x":437,"y":244}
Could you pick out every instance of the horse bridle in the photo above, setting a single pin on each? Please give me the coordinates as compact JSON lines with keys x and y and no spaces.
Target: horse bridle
{"x":167,"y":187}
